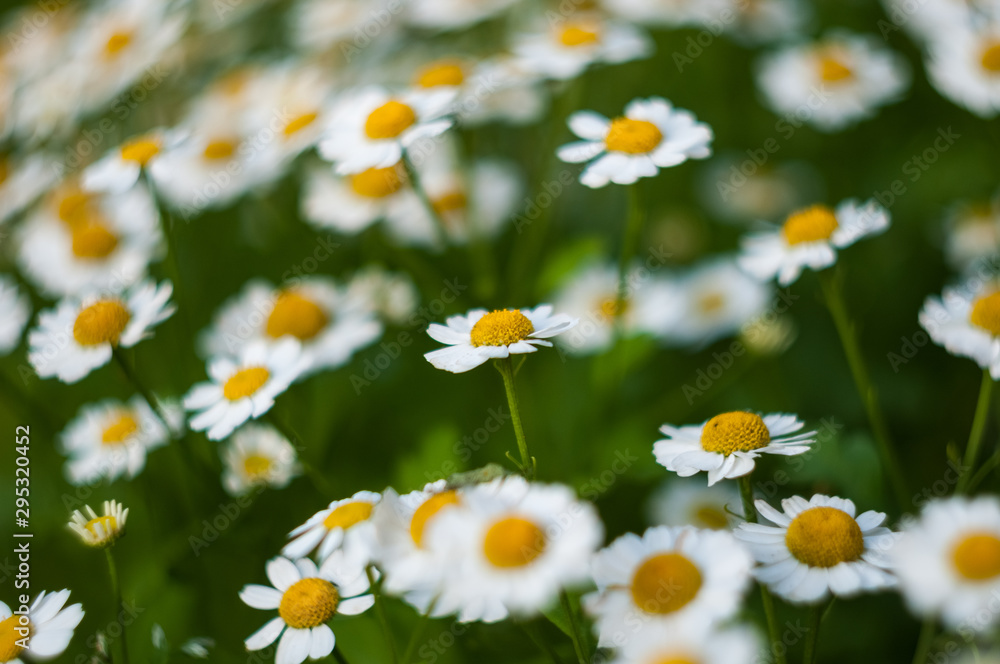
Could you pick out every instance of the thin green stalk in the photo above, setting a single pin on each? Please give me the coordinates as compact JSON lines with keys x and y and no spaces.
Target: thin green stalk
{"x":173,"y":261}
{"x":133,"y":378}
{"x":630,"y":240}
{"x":116,"y":589}
{"x":506,"y":369}
{"x":816,"y":613}
{"x":862,"y":382}
{"x":924,"y":641}
{"x":773,"y":631}
{"x":339,"y":655}
{"x":418,"y":632}
{"x":976,"y":434}
{"x":380,"y":612}
{"x":536,"y":638}
{"x":577,"y":634}
{"x":414,"y":178}
{"x":319,"y":482}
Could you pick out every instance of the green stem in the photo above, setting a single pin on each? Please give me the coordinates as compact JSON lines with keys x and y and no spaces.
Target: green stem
{"x":418,"y":632}
{"x":862,"y":382}
{"x":418,"y":188}
{"x":380,"y":612}
{"x":116,"y":589}
{"x":577,"y":634}
{"x":506,"y":369}
{"x":630,"y":240}
{"x":746,"y":493}
{"x":976,"y":434}
{"x":339,"y":656}
{"x":536,"y":638}
{"x":774,"y":633}
{"x":812,"y":638}
{"x":320,"y":483}
{"x":924,"y":641}
{"x":132,"y":378}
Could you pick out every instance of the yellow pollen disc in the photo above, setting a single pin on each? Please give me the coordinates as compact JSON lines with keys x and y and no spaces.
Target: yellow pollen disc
{"x":120,"y":429}
{"x":833,"y":70}
{"x":427,"y":510}
{"x":101,"y":323}
{"x":977,"y":556}
{"x":665,"y":583}
{"x":9,"y":649}
{"x":501,"y":328}
{"x":92,"y":239}
{"x":442,"y":73}
{"x":309,"y":603}
{"x":255,"y":465}
{"x":73,"y":204}
{"x":117,"y":43}
{"x":711,"y":517}
{"x":109,"y":523}
{"x":986,"y":313}
{"x":632,"y":136}
{"x":348,"y":514}
{"x":296,"y":315}
{"x":578,"y":35}
{"x":608,"y":307}
{"x":824,"y":537}
{"x":513,"y":542}
{"x":990,"y":59}
{"x":812,"y":224}
{"x":245,"y":383}
{"x":377,"y":182}
{"x":451,"y":202}
{"x":389,"y":120}
{"x":221,"y":149}
{"x":299,"y":123}
{"x":736,"y":431}
{"x":141,"y":150}
{"x":710,"y":303}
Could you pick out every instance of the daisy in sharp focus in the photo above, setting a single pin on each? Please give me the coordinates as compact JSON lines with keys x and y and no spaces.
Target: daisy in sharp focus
{"x":48,"y":629}
{"x":651,"y":135}
{"x":810,"y":238}
{"x":818,"y":548}
{"x":841,"y":80}
{"x":15,"y":310}
{"x":479,"y":336}
{"x":965,"y":320}
{"x":345,"y":526}
{"x":687,"y":502}
{"x":964,"y":65}
{"x":79,"y":334}
{"x":948,"y":562}
{"x":257,"y":456}
{"x":306,"y":598}
{"x":244,"y":387}
{"x":119,"y":169}
{"x":566,"y":48}
{"x":681,"y":577}
{"x":691,"y":645}
{"x":100,"y":531}
{"x":726,"y":446}
{"x":371,"y":127}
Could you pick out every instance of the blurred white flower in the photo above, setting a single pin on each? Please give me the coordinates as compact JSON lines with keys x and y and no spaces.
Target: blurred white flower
{"x":15,"y":310}
{"x":119,"y":169}
{"x":454,"y":14}
{"x":257,"y":455}
{"x":688,"y":502}
{"x":965,"y":320}
{"x":963,"y":63}
{"x":23,"y":180}
{"x":50,"y":626}
{"x":692,"y":643}
{"x":566,"y":48}
{"x":344,"y":526}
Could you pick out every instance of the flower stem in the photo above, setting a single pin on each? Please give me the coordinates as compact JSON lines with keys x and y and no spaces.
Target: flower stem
{"x":339,"y":656}
{"x":319,"y":482}
{"x":976,"y":434}
{"x":577,"y":634}
{"x":816,"y":613}
{"x":848,"y":338}
{"x":418,"y":188}
{"x":418,"y":632}
{"x":116,"y":589}
{"x":773,"y":632}
{"x":924,"y":641}
{"x":380,"y":612}
{"x":132,"y":378}
{"x":633,"y":231}
{"x":506,"y":369}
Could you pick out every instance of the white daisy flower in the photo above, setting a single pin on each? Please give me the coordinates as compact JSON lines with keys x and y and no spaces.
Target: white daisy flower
{"x":512,"y":546}
{"x":110,"y":439}
{"x":100,"y":531}
{"x":454,"y":14}
{"x":257,"y":455}
{"x":819,"y":548}
{"x":948,"y":562}
{"x":15,"y":310}
{"x":317,"y":25}
{"x":651,"y":135}
{"x":566,"y":49}
{"x":966,"y":322}
{"x":345,"y":526}
{"x":502,"y":89}
{"x":726,"y":445}
{"x":392,"y":294}
{"x":79,"y":334}
{"x":964,"y":65}
{"x":668,"y":577}
{"x":41,"y":635}
{"x":479,"y":336}
{"x":330,"y":322}
{"x":736,"y":190}
{"x":662,"y":13}
{"x":244,"y":387}
{"x":841,"y":80}
{"x":760,"y":21}
{"x":684,"y":502}
{"x":973,"y":233}
{"x":119,"y":170}
{"x":929,"y":19}
{"x":306,"y":598}
{"x":93,"y":243}
{"x":685,"y":644}
{"x":810,"y":238}
{"x":370,"y":127}
{"x":24,"y":180}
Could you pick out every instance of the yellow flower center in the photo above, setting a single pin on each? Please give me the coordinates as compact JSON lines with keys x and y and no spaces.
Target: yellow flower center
{"x":141,"y":150}
{"x":389,"y":120}
{"x":986,"y":313}
{"x":117,"y":43}
{"x":824,"y":537}
{"x":441,"y":73}
{"x":977,"y":556}
{"x":833,"y":70}
{"x":9,"y":649}
{"x":296,"y":315}
{"x":577,"y":34}
{"x":812,"y":224}
{"x":674,"y":659}
{"x":609,"y":307}
{"x":665,"y":583}
{"x":245,"y":383}
{"x":990,"y":59}
{"x":93,"y":240}
{"x":454,"y":201}
{"x":711,"y":517}
{"x":72,"y":205}
{"x":101,"y":323}
{"x":121,"y":428}
{"x":219,"y":149}
{"x":348,"y":514}
{"x":513,"y":542}
{"x":632,"y":136}
{"x":256,"y":466}
{"x":377,"y":182}
{"x":711,"y":303}
{"x":108,"y":522}
{"x":501,"y":328}
{"x":427,"y":510}
{"x":299,"y":123}
{"x":738,"y":431}
{"x":309,"y":603}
